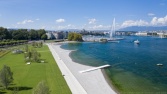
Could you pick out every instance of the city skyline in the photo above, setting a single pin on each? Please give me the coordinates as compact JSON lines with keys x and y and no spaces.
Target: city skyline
{"x":81,"y":14}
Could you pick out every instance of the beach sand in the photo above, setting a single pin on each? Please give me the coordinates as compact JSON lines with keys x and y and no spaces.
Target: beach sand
{"x":92,"y":82}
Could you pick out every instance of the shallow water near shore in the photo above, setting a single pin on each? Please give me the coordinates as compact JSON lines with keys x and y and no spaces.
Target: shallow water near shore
{"x":134,"y":66}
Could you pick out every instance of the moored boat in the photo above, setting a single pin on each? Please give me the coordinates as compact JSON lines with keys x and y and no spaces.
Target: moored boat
{"x":137,"y":41}
{"x":159,"y":64}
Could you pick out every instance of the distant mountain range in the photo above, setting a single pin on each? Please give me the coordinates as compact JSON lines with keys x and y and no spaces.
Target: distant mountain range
{"x":143,"y":28}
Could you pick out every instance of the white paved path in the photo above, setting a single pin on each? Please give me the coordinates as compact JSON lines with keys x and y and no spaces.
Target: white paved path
{"x":72,"y":82}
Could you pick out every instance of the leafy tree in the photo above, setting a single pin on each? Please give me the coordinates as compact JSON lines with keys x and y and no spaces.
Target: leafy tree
{"x":41,"y":88}
{"x":35,"y":56}
{"x":70,"y":36}
{"x":26,"y":48}
{"x":25,"y":34}
{"x":3,"y":33}
{"x":41,"y":32}
{"x":22,"y":34}
{"x":74,"y":37}
{"x":37,"y":44}
{"x":33,"y":34}
{"x":28,"y":56}
{"x":32,"y":55}
{"x":34,"y":44}
{"x":40,"y":44}
{"x":6,"y":76}
{"x":44,"y":37}
{"x":16,"y":34}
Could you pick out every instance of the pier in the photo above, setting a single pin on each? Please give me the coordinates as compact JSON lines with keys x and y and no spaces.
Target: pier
{"x":92,"y":69}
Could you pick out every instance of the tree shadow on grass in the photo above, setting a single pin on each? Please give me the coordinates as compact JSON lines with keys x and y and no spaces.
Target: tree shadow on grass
{"x":2,"y":92}
{"x":20,"y":88}
{"x":12,"y":84}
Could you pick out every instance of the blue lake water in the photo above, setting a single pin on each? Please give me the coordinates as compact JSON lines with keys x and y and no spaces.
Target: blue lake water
{"x":134,"y":68}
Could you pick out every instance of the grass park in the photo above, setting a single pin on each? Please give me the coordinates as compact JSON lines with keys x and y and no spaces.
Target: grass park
{"x":26,"y":77}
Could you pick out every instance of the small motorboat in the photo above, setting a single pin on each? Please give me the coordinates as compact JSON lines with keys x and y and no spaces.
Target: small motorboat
{"x":159,"y":64}
{"x":136,"y":41}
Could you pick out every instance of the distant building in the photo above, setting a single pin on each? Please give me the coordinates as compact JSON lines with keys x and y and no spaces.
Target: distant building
{"x":161,"y":34}
{"x":57,"y":35}
{"x":141,"y":34}
{"x":65,"y":35}
{"x":50,"y":35}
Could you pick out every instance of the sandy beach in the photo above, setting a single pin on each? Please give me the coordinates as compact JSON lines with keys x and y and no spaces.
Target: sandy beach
{"x":79,"y":83}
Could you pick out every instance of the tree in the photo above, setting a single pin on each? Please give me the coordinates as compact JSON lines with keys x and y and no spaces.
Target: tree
{"x":26,"y":48}
{"x":35,"y":56}
{"x":41,"y":32}
{"x":70,"y":36}
{"x":74,"y":37}
{"x":32,"y":55}
{"x":3,"y":33}
{"x":41,"y":88}
{"x":33,"y":34}
{"x":6,"y":76}
{"x":44,"y":37}
{"x":40,"y":44}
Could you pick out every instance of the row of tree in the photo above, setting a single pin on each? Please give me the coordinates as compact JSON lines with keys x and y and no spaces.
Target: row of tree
{"x":37,"y":44}
{"x":12,"y":42}
{"x":31,"y":55}
{"x":22,"y":34}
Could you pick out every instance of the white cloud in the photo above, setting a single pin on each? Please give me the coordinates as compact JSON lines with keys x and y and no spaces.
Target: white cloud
{"x":98,"y":27}
{"x":150,"y":14}
{"x":162,"y":21}
{"x":154,"y":21}
{"x":25,"y":22}
{"x":92,"y":21}
{"x":60,"y":20}
{"x":69,"y":26}
{"x":134,"y":23}
{"x":159,"y":21}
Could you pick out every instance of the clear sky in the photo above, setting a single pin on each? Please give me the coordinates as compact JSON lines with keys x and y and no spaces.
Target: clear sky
{"x":79,"y":14}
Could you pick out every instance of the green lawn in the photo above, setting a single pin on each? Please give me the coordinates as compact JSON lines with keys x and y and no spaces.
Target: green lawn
{"x":26,"y":77}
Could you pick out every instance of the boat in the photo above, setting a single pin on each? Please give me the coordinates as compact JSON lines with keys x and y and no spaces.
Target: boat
{"x":103,"y":40}
{"x":159,"y":64}
{"x":136,"y":41}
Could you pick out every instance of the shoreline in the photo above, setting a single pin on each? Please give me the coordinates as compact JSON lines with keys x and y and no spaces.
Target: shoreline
{"x":109,"y":81}
{"x":92,"y":82}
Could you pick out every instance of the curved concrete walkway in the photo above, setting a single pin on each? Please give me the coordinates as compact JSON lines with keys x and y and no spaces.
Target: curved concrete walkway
{"x":72,"y":82}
